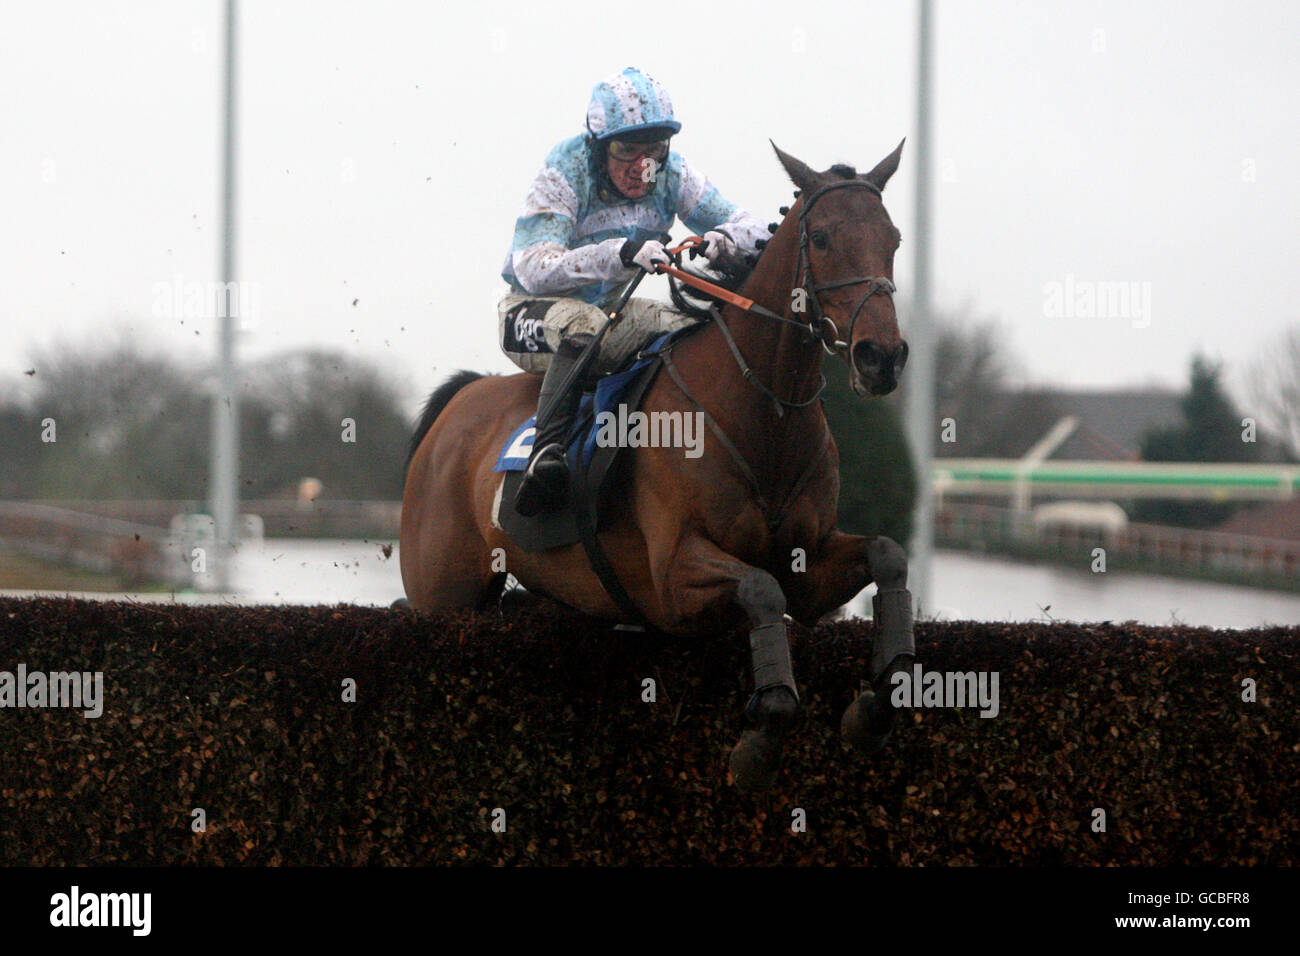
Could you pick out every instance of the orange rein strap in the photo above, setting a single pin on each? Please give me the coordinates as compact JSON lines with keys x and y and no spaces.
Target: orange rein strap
{"x":704,"y":285}
{"x":748,"y":305}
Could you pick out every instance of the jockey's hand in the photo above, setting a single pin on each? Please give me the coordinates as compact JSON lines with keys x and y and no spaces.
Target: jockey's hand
{"x":718,"y":245}
{"x":644,"y":253}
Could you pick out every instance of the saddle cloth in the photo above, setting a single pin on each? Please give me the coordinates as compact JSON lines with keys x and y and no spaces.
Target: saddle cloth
{"x":593,"y":477}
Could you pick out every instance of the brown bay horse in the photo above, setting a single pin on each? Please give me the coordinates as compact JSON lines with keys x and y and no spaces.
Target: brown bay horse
{"x":744,"y":532}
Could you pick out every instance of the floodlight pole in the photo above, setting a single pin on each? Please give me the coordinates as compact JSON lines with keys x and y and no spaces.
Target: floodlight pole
{"x":224,"y":463}
{"x":920,"y":369}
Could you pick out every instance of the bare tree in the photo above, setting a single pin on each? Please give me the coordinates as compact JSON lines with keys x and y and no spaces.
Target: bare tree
{"x":125,"y":418}
{"x":972,"y":366}
{"x":1273,"y":386}
{"x":132,"y":422}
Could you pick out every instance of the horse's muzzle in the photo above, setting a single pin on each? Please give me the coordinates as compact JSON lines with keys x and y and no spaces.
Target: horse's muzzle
{"x":877,"y":368}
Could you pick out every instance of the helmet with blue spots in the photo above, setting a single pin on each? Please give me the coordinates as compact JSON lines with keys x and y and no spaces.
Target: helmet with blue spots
{"x":629,"y":102}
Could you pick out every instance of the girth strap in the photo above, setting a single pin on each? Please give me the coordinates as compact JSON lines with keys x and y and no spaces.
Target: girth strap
{"x":600,"y":562}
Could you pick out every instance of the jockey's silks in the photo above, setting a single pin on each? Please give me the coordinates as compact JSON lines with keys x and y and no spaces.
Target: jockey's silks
{"x":567,"y":209}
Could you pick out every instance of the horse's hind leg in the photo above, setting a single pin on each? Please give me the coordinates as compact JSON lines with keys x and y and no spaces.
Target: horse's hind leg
{"x":447,"y":566}
{"x":703,"y":579}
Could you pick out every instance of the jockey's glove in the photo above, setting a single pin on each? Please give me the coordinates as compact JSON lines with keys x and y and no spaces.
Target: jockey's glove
{"x":644,"y":253}
{"x":718,"y":244}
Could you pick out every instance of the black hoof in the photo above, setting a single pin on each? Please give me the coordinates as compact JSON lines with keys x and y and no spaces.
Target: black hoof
{"x":755,"y":761}
{"x":868,"y":722}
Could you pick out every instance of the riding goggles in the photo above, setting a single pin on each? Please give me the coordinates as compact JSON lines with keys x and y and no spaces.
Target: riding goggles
{"x":625,"y":151}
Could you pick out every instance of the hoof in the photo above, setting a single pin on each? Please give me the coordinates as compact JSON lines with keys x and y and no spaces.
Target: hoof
{"x":400,"y":604}
{"x":867,"y":723}
{"x":755,"y":761}
{"x":756,"y":758}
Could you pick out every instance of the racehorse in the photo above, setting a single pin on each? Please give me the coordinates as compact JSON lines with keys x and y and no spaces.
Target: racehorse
{"x":745,"y":531}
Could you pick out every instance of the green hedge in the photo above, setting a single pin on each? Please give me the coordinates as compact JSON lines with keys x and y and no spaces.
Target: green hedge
{"x":239,"y":711}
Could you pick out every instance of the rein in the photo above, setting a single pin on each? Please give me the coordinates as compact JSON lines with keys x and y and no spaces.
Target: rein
{"x":748,"y":305}
{"x":820,"y":323}
{"x":817,"y":328}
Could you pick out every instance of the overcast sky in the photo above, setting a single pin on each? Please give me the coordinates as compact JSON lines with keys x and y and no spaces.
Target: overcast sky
{"x":385,"y":148}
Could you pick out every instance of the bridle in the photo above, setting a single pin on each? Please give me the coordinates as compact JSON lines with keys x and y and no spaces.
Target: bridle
{"x":816,"y":328}
{"x":820,"y":323}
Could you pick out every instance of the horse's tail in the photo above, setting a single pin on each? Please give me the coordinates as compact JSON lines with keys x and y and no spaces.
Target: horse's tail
{"x":434,"y":406}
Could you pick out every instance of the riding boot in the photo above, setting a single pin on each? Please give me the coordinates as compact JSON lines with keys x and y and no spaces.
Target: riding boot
{"x":547,"y":479}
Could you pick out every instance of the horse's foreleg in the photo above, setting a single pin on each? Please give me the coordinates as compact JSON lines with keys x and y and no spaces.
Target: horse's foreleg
{"x":756,"y":758}
{"x":704,"y":579}
{"x":846,"y":565}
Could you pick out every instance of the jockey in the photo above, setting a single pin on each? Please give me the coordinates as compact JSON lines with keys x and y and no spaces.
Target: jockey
{"x":599,"y":210}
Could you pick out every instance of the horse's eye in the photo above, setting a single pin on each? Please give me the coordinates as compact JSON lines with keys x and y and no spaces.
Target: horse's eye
{"x":819,"y":239}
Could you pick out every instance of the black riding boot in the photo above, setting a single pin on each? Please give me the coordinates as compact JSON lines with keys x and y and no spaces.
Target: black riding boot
{"x":547,"y":478}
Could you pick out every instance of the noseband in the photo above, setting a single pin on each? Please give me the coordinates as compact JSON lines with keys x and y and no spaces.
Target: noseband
{"x":817,"y":327}
{"x":820,"y":324}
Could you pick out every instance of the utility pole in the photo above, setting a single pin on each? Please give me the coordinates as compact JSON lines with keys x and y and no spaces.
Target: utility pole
{"x":224,"y":462}
{"x":920,"y":367}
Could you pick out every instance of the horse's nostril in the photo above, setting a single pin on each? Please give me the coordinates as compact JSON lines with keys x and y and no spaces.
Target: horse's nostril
{"x":877,"y":366}
{"x":867,"y":356}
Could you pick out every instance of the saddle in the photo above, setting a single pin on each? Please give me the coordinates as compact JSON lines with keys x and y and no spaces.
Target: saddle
{"x":597,"y":472}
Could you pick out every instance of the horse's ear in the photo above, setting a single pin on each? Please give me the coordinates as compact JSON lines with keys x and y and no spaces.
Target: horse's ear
{"x":885,"y":168}
{"x":799,"y":173}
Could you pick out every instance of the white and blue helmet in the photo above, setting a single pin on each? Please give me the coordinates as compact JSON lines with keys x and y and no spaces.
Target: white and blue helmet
{"x":629,"y":102}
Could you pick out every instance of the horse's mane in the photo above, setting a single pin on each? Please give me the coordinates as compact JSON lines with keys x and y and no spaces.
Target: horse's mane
{"x":731,"y":274}
{"x":438,"y":400}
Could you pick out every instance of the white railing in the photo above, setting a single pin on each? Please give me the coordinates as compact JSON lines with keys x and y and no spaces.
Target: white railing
{"x":282,"y":517}
{"x":1175,"y":550}
{"x":154,"y":541}
{"x":137,"y":552}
